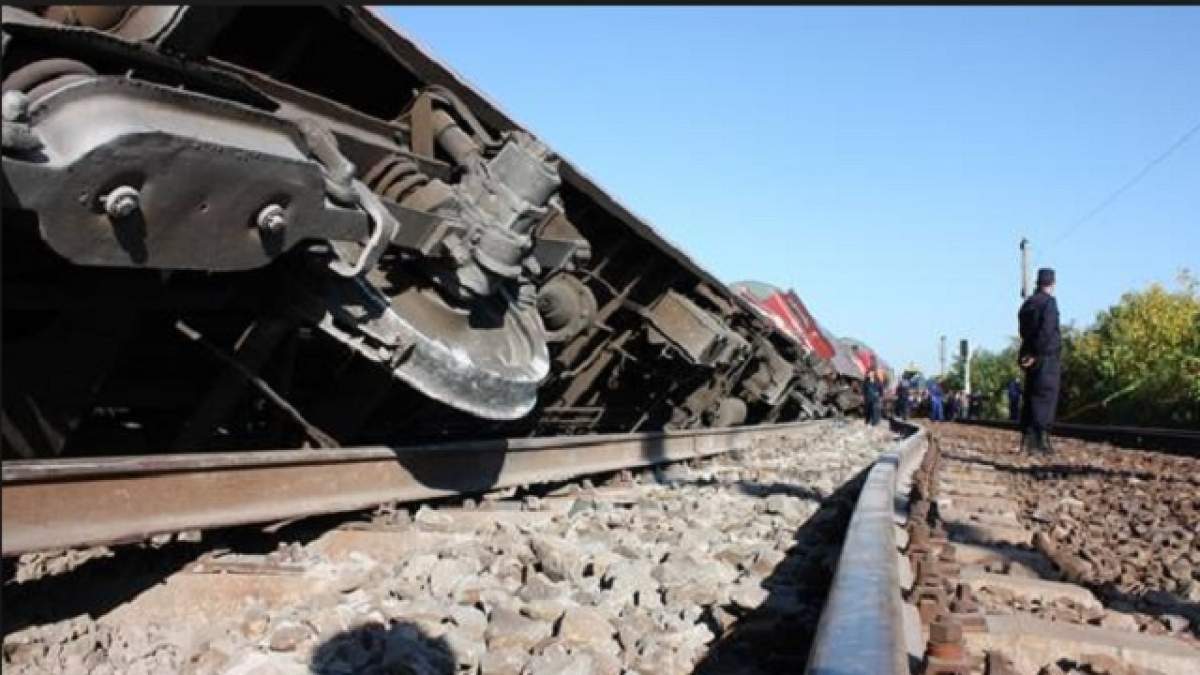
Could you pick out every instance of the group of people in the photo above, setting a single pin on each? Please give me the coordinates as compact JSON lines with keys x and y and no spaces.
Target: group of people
{"x":1032,"y":405}
{"x":938,"y":403}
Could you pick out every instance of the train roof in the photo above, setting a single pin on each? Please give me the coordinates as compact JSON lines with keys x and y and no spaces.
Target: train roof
{"x":843,"y":362}
{"x":760,"y":290}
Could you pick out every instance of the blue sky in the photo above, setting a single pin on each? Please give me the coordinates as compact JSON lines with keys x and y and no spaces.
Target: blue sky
{"x":884,"y":162}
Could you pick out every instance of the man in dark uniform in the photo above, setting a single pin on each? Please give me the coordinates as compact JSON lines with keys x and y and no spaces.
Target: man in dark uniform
{"x":1039,"y":358}
{"x":935,"y":401}
{"x":1014,"y":400}
{"x":975,"y":409}
{"x":872,"y":392}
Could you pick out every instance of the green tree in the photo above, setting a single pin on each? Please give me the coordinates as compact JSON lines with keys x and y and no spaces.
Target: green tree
{"x":990,"y":375}
{"x":953,"y":379}
{"x":1139,"y":363}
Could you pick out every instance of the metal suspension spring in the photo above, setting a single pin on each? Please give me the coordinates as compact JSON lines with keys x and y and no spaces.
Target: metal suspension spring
{"x":395,"y":177}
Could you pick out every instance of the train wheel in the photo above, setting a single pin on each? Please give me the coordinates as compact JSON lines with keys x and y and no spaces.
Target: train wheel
{"x":486,"y":358}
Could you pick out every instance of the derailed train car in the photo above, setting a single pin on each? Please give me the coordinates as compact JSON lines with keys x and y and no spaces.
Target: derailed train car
{"x":840,"y":374}
{"x":279,"y":227}
{"x":869,"y":359}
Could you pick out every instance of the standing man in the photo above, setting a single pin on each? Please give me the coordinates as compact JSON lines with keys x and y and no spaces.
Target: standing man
{"x":902,"y":399}
{"x":871,"y":395}
{"x":935,"y":401}
{"x":1014,"y":400}
{"x":881,"y":381}
{"x":1039,"y":358}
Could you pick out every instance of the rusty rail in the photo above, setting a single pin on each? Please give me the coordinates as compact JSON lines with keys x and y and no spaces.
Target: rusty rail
{"x":1184,"y":442}
{"x":924,"y":539}
{"x":61,"y":503}
{"x":862,"y":628}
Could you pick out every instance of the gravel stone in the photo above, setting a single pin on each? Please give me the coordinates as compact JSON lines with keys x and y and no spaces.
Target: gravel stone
{"x":766,"y":561}
{"x":286,"y":637}
{"x":447,"y":574}
{"x":470,"y":620}
{"x":631,"y":577}
{"x":430,"y":520}
{"x":559,"y":560}
{"x":748,"y":595}
{"x":547,"y":610}
{"x":586,"y":626}
{"x":507,"y":628}
{"x":556,"y":660}
{"x":504,"y":661}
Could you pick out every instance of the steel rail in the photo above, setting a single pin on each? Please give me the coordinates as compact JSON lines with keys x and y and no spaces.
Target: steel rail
{"x":866,"y":627}
{"x":1185,"y":442}
{"x":862,"y":627}
{"x":62,"y":503}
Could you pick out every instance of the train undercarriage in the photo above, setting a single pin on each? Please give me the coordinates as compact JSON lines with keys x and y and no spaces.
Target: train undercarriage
{"x":241,"y":228}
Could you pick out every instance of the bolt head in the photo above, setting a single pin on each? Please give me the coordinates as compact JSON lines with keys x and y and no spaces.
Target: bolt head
{"x":271,"y":218}
{"x":122,"y":202}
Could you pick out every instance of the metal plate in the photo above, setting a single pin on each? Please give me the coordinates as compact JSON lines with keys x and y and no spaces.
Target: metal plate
{"x":203,"y":168}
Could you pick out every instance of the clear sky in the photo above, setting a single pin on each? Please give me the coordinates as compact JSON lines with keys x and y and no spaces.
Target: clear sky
{"x":884,"y":162}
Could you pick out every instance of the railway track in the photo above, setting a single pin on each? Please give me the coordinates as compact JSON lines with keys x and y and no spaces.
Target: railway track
{"x":135,"y":497}
{"x":679,"y":567}
{"x":965,"y":556}
{"x":720,"y":544}
{"x":1184,"y":442}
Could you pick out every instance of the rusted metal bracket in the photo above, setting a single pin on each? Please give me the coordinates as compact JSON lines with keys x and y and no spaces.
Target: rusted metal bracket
{"x":422,"y":125}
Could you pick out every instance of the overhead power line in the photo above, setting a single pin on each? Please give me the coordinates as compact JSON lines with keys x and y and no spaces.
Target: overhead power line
{"x":1112,"y":197}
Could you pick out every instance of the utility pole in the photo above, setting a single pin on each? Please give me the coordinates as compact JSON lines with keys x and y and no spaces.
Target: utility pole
{"x":942,"y":357}
{"x":964,"y":348}
{"x":1024,"y":268}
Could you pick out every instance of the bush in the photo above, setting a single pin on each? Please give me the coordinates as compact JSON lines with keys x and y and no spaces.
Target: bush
{"x":990,"y":374}
{"x":1139,"y":364}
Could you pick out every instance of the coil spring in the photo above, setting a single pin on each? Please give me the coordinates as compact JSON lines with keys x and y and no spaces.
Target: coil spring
{"x":395,"y":177}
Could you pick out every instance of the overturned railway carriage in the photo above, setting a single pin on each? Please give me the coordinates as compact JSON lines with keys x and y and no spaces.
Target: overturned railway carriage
{"x":834,"y":383}
{"x":231,"y":228}
{"x":869,"y":359}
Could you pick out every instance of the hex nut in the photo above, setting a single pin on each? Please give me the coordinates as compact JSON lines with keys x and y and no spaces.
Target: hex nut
{"x":122,"y":202}
{"x":271,"y":218}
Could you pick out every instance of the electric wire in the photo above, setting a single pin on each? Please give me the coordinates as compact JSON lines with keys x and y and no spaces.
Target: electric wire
{"x":1137,"y":178}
